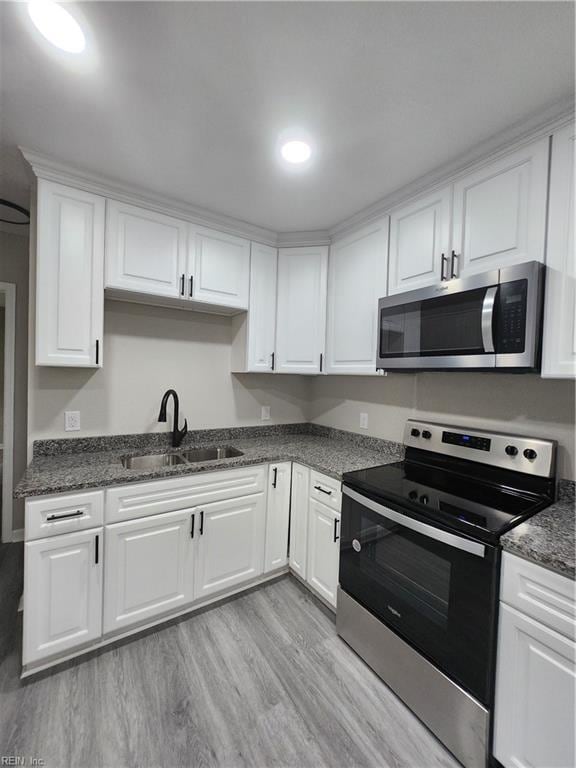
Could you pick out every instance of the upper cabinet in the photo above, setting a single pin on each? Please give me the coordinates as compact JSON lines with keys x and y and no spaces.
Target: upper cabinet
{"x":356,"y":280}
{"x":499,"y":215}
{"x":301,"y":316}
{"x":218,"y":267}
{"x":559,"y":345}
{"x":258,"y":345}
{"x":145,"y":251}
{"x":69,"y":276}
{"x":420,"y":242}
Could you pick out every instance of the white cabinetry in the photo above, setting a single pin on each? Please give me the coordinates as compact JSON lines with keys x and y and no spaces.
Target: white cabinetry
{"x":62,"y":593}
{"x":301,"y":317}
{"x":300,"y":497}
{"x":323,"y":550}
{"x":69,"y":276}
{"x":219,"y":267}
{"x":230,"y":544}
{"x":536,"y":668}
{"x":500,"y":212}
{"x":356,"y":280}
{"x":145,"y":251}
{"x":559,"y":344}
{"x":149,"y":568}
{"x":277,"y":515}
{"x":420,"y":242}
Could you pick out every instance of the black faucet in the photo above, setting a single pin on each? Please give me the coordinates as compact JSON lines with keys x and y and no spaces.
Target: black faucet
{"x":177,"y":434}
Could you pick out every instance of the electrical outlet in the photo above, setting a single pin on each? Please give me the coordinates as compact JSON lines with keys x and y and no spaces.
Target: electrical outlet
{"x":71,"y":421}
{"x":363,"y":421}
{"x":265,"y":413}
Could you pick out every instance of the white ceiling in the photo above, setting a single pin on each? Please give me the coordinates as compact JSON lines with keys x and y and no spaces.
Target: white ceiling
{"x":188,"y":99}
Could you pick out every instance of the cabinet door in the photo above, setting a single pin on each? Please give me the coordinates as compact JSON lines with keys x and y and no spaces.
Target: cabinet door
{"x":299,"y":501}
{"x":419,"y":239}
{"x":500,"y":212}
{"x":220,"y":267}
{"x":62,"y":593}
{"x":559,"y":343}
{"x":145,"y":251}
{"x":277,"y":516}
{"x":231,"y":543}
{"x":149,"y":567}
{"x":69,"y":277}
{"x":357,"y":269}
{"x":323,"y":550}
{"x":262,"y":309}
{"x":535,"y":689}
{"x":301,"y":318}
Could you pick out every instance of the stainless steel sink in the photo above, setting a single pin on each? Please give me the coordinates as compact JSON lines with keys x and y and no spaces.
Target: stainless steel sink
{"x":153,"y":461}
{"x":206,"y":454}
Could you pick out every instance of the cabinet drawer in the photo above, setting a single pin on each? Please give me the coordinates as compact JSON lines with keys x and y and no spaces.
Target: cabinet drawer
{"x":326,"y":490}
{"x":129,"y":502}
{"x":544,"y":595}
{"x":65,"y":513}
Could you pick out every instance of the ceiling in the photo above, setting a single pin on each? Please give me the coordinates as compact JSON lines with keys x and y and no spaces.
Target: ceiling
{"x":188,"y":99}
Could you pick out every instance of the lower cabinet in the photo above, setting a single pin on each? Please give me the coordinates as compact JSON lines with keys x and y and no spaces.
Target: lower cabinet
{"x":323,"y":550}
{"x":62,"y":593}
{"x":300,"y":499}
{"x":149,"y":568}
{"x":278,"y":515}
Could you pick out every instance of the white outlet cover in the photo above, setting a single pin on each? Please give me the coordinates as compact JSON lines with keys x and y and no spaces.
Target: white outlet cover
{"x":265,"y":414}
{"x":363,"y":421}
{"x":71,"y":421}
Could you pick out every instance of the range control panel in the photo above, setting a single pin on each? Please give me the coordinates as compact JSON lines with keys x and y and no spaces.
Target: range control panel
{"x":516,"y":452}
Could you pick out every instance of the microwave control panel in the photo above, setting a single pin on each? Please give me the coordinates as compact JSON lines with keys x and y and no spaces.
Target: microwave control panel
{"x":511,"y":318}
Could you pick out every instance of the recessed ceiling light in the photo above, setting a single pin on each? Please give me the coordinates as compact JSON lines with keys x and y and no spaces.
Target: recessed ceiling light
{"x":57,"y":25}
{"x":296,"y":151}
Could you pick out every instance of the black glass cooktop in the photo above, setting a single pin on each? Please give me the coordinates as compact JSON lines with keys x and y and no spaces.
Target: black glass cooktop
{"x":483,"y":509}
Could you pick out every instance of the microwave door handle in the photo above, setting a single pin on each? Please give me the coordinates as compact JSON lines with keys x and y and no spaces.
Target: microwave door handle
{"x":487,"y":318}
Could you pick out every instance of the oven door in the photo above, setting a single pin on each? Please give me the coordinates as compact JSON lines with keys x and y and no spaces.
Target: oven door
{"x":437,"y":590}
{"x":451,"y":325}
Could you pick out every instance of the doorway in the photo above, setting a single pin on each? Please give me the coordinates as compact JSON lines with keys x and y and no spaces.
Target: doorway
{"x":7,"y":346}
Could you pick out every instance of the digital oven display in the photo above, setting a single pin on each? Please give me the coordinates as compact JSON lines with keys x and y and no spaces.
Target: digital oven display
{"x":466,"y":441}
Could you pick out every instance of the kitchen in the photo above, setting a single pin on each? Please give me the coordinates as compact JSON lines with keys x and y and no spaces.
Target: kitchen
{"x":293,"y":448}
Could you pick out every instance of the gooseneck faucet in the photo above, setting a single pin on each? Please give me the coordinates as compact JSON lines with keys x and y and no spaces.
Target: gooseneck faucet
{"x":177,"y":434}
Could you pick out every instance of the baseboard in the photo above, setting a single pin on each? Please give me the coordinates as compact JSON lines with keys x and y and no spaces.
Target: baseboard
{"x":18,"y":535}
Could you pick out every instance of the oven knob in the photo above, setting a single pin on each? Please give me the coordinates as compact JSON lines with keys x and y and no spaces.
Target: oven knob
{"x":511,"y":450}
{"x":413,"y":495}
{"x":530,"y":454}
{"x":426,"y":434}
{"x":424,"y":499}
{"x":415,"y":433}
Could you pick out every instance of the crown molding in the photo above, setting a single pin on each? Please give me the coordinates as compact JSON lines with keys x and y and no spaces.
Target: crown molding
{"x":297,"y":239}
{"x":514,"y":137}
{"x":45,"y":167}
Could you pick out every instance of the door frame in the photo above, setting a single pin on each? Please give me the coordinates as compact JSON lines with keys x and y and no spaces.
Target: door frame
{"x":9,"y":291}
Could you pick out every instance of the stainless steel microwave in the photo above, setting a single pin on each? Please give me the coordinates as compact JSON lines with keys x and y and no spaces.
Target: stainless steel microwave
{"x":489,"y":321}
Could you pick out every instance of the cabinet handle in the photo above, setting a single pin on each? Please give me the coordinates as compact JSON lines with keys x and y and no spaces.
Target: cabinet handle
{"x":192,"y":526}
{"x":336,"y":537}
{"x":97,"y":351}
{"x":202,"y":523}
{"x":66,"y":516}
{"x":443,"y":275}
{"x":273,"y":359}
{"x":182,"y":281}
{"x":191,"y":286}
{"x":96,"y":549}
{"x":322,"y":490}
{"x":321,"y":360}
{"x":453,"y":264}
{"x":275,"y":473}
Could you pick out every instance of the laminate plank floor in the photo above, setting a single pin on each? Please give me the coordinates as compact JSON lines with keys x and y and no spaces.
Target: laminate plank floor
{"x":259,"y":681}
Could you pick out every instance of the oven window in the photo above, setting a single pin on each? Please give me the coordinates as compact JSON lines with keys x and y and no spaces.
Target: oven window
{"x":414,"y":574}
{"x":447,"y":325}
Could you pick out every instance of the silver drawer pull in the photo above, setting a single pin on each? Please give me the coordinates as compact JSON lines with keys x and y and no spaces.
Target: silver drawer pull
{"x":322,"y":490}
{"x":65,"y":517}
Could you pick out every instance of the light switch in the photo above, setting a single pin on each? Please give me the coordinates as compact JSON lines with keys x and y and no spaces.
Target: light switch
{"x":71,"y":421}
{"x":363,"y":421}
{"x":265,"y":414}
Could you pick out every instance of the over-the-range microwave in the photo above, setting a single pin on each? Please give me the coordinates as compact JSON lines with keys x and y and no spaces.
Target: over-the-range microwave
{"x":489,"y":321}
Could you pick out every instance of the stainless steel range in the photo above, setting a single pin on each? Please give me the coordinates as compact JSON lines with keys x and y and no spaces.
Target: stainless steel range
{"x":420,"y":565}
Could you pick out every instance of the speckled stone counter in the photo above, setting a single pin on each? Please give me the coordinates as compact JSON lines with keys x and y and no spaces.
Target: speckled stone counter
{"x":60,"y":466}
{"x":548,"y":538}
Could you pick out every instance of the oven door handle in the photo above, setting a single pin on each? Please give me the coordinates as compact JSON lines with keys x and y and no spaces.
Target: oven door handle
{"x":472,"y":547}
{"x":488,"y":318}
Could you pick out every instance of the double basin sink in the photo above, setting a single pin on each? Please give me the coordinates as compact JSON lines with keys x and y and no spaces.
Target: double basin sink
{"x":190,"y":456}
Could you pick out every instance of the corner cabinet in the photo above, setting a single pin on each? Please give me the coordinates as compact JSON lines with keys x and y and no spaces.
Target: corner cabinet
{"x":218,"y":268}
{"x":69,"y":276}
{"x":559,"y":343}
{"x":357,"y":269}
{"x":301,"y":316}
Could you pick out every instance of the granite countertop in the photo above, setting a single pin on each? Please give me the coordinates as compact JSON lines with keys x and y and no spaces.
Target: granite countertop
{"x":548,"y":538}
{"x":61,"y":466}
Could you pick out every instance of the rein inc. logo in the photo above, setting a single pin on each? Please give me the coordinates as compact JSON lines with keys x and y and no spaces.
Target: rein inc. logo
{"x":20,"y":760}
